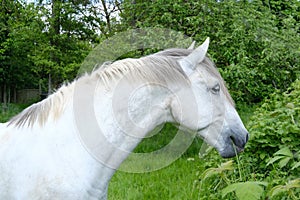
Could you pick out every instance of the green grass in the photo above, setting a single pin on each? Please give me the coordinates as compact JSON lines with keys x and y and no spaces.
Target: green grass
{"x":172,"y":182}
{"x":177,"y":181}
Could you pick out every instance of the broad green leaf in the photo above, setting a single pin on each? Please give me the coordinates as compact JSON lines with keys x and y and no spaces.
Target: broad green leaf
{"x":249,"y":191}
{"x":246,"y":190}
{"x":282,"y":163}
{"x":274,"y":159}
{"x":285,"y":151}
{"x":230,"y":188}
{"x":296,"y":165}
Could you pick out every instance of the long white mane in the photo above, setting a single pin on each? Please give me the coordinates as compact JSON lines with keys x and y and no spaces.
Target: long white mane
{"x":161,"y":67}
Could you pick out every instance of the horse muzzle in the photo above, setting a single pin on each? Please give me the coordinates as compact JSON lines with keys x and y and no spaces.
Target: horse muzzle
{"x":235,"y":142}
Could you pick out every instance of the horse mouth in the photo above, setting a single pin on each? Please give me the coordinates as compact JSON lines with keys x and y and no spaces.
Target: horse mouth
{"x":238,"y":149}
{"x":235,"y":146}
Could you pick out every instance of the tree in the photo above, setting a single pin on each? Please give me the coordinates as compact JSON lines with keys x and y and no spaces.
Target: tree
{"x":252,"y":53}
{"x":72,"y":26}
{"x":284,"y":11}
{"x":38,"y":45}
{"x":8,"y":13}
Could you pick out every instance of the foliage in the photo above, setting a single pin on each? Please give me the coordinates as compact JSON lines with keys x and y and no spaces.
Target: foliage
{"x":11,"y":111}
{"x":254,"y":55}
{"x":42,"y":44}
{"x":283,"y":156}
{"x":250,"y":190}
{"x":227,"y":166}
{"x":287,"y":188}
{"x":255,"y":44}
{"x":223,"y":180}
{"x":263,"y":172}
{"x":9,"y":69}
{"x":276,"y":125}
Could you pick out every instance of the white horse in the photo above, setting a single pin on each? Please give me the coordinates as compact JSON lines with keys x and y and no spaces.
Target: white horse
{"x":69,"y":145}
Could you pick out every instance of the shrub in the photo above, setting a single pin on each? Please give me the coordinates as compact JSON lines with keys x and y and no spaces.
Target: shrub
{"x":276,"y":125}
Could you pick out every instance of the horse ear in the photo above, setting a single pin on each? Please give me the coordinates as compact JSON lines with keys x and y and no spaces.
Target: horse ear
{"x":189,"y":63}
{"x":192,"y":46}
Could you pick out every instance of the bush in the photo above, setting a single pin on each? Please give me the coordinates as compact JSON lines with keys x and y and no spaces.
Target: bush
{"x":276,"y":125}
{"x":254,"y":52}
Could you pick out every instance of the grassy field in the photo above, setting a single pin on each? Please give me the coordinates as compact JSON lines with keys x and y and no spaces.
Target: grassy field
{"x":177,"y":181}
{"x":172,"y":182}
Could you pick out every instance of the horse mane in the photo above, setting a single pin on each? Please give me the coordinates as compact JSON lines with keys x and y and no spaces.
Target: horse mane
{"x":158,"y":68}
{"x":161,"y":67}
{"x":40,"y":111}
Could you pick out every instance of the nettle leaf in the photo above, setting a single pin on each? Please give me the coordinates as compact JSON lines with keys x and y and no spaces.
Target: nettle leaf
{"x":276,"y":123}
{"x":262,"y":155}
{"x":284,"y":155}
{"x":284,"y":151}
{"x":296,"y":165}
{"x":283,"y":162}
{"x":293,"y":184}
{"x":227,"y":166}
{"x":250,"y":190}
{"x":276,"y":190}
{"x":285,"y":188}
{"x":274,"y":159}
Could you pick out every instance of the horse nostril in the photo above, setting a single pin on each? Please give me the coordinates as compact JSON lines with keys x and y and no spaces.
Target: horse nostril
{"x":233,"y":140}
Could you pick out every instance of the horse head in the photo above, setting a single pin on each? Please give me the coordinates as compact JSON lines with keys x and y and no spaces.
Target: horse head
{"x":209,"y":108}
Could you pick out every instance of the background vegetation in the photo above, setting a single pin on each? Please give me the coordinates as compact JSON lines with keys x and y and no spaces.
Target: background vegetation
{"x":255,"y":45}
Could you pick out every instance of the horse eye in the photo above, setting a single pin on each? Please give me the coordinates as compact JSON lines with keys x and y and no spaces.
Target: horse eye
{"x":216,"y":89}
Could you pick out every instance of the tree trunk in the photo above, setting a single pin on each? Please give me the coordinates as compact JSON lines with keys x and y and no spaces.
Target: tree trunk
{"x":4,"y":105}
{"x":107,"y":16}
{"x":55,"y":26}
{"x":49,"y":84}
{"x":8,"y":95}
{"x":15,"y":94}
{"x":1,"y":94}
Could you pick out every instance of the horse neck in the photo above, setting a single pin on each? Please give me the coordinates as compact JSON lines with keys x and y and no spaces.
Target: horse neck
{"x":125,"y":116}
{"x":111,"y":124}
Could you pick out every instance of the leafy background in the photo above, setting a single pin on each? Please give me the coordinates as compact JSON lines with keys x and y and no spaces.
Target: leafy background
{"x":255,"y":45}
